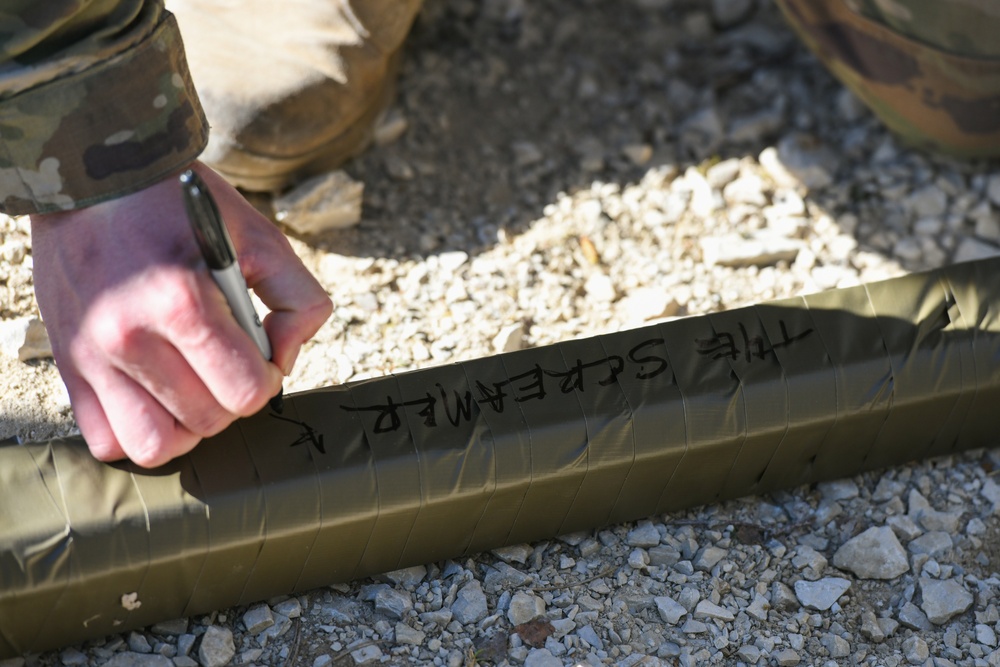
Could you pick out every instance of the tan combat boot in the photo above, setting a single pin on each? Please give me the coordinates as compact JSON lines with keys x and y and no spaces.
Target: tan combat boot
{"x":291,"y":88}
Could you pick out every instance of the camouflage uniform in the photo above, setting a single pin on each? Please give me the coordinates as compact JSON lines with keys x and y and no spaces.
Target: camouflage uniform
{"x":929,"y":70}
{"x":96,"y":100}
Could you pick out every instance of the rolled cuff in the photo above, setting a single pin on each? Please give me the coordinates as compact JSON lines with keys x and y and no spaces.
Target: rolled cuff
{"x":104,"y":132}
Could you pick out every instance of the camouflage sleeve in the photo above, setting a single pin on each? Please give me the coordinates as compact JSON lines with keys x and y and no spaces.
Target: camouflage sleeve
{"x":95,"y":102}
{"x":928,"y":69}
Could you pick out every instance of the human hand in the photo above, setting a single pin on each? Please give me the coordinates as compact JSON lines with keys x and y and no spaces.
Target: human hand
{"x":150,"y":353}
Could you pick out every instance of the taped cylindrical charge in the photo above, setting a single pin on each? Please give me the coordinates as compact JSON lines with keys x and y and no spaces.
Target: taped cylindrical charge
{"x":389,"y":472}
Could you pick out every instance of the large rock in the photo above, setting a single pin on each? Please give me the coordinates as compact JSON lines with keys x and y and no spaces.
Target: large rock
{"x":874,"y":554}
{"x":470,"y":605}
{"x":820,"y":595}
{"x":943,"y":599}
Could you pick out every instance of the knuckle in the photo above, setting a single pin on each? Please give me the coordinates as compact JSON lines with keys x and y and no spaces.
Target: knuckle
{"x":209,"y":423}
{"x":121,"y":340}
{"x":249,"y":399}
{"x":183,"y":312}
{"x":155,"y":449}
{"x":104,"y":449}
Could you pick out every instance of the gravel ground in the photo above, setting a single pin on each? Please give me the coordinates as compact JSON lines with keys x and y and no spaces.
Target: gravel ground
{"x":567,"y":169}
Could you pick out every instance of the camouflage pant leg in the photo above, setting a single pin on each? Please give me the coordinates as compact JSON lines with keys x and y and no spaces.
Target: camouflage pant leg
{"x":291,"y":88}
{"x":927,"y":69}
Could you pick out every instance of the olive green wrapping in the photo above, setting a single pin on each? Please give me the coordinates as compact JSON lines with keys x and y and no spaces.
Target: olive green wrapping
{"x":385,"y":473}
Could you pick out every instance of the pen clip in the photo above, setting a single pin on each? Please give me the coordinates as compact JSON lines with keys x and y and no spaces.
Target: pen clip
{"x":209,"y":230}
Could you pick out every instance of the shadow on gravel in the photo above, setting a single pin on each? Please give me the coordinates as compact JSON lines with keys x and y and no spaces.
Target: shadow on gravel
{"x":508,"y":110}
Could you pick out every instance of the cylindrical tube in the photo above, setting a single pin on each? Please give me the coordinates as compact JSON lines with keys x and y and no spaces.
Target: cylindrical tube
{"x":385,"y":473}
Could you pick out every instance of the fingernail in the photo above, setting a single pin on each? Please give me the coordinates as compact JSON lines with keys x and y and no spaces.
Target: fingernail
{"x":287,"y":367}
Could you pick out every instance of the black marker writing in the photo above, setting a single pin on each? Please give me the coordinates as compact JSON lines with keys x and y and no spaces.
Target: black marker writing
{"x":724,"y":344}
{"x":525,"y":386}
{"x":308,"y":434}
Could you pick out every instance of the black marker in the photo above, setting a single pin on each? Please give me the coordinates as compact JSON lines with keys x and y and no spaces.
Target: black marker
{"x":220,"y":255}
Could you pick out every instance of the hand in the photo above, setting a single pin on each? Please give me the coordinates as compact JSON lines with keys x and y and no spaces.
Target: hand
{"x":150,"y":353}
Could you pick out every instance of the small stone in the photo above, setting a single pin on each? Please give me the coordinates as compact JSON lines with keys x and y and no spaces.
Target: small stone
{"x":693,"y":627}
{"x":408,"y":577}
{"x":911,"y":616}
{"x":398,"y":168}
{"x":644,"y":535}
{"x":589,"y":635}
{"x":24,"y":339}
{"x":647,"y":303}
{"x":171,"y":628}
{"x":185,"y":642}
{"x":708,"y":558}
{"x":450,"y":262}
{"x":525,"y":607}
{"x":290,"y":608}
{"x":217,"y":647}
{"x":943,"y":599}
{"x":638,"y":154}
{"x":689,"y":597}
{"x":600,"y":288}
{"x":759,"y":607}
{"x":821,"y":595}
{"x":390,"y":126}
{"x":470,"y":605}
{"x":986,"y":635}
{"x":509,"y":339}
{"x":991,"y":492}
{"x":843,"y":489}
{"x":638,"y":559}
{"x":786,"y":657}
{"x":870,"y":628}
{"x":515,"y":553}
{"x":707,"y":609}
{"x":503,"y":576}
{"x":440,"y":617}
{"x":366,"y":654}
{"x":72,"y":657}
{"x":670,"y":610}
{"x":838,"y":647}
{"x":970,"y":249}
{"x":324,"y":660}
{"x":935,"y":544}
{"x":874,"y":554}
{"x":282,"y":624}
{"x":407,"y":635}
{"x":915,"y":650}
{"x":749,"y":654}
{"x":782,"y":597}
{"x":257,"y":619}
{"x":541,"y":657}
{"x":663,"y":556}
{"x":393,"y":603}
{"x":329,"y":201}
{"x":888,"y":625}
{"x":904,"y":527}
{"x":736,"y":251}
{"x":811,"y":561}
{"x":927,"y":202}
{"x":805,"y":157}
{"x":138,"y":643}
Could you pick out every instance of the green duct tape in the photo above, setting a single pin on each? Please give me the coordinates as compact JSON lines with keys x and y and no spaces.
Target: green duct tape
{"x":358,"y":479}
